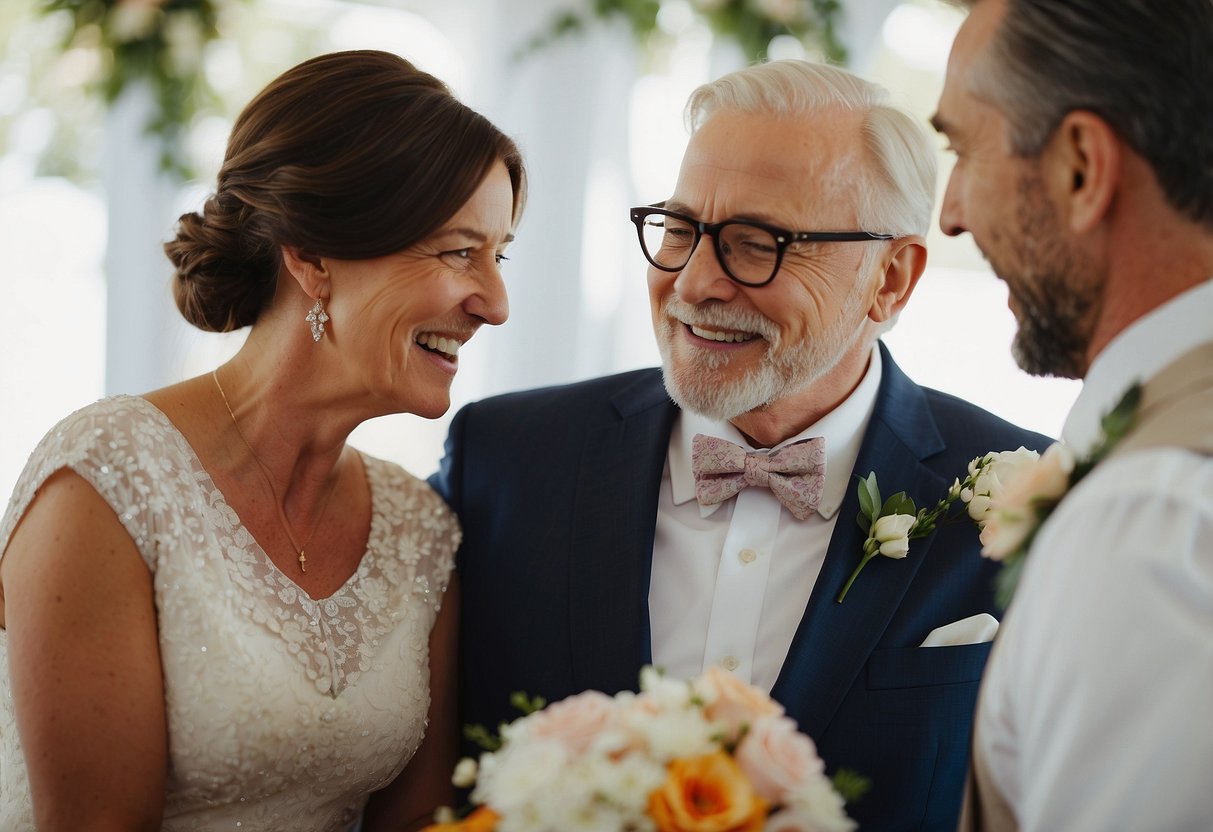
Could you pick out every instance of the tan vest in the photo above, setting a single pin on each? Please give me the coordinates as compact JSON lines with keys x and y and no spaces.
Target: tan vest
{"x":1176,"y":412}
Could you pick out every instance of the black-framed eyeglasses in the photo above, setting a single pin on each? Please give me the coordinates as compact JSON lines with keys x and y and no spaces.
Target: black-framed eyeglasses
{"x":749,"y":252}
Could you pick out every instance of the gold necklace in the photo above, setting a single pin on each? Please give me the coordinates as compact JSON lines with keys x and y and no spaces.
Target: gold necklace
{"x":265,"y":472}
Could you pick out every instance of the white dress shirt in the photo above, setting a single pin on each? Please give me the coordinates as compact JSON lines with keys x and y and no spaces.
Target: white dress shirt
{"x":730,"y":581}
{"x":1097,"y":708}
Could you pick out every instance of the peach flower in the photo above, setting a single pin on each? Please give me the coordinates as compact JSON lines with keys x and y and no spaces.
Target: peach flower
{"x":1014,"y":514}
{"x":777,"y":758}
{"x":576,"y":721}
{"x":731,"y":703}
{"x":707,"y":794}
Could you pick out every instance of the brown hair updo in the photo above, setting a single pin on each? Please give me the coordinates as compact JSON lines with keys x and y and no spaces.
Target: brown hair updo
{"x":349,"y":155}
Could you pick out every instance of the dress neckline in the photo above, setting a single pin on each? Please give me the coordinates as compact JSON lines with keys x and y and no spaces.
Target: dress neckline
{"x":195,"y":461}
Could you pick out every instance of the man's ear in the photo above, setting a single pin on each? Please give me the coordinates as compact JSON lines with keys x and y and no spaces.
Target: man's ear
{"x":1083,"y":169}
{"x":903,"y":266}
{"x":308,"y":270}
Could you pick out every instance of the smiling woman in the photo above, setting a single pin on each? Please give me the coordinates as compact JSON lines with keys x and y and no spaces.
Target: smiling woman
{"x":239,"y":564}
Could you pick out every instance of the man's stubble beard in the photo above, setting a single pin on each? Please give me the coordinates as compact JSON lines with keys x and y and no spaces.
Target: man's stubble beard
{"x":1058,"y":294}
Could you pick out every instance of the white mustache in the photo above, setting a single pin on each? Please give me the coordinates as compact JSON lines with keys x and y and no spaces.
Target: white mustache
{"x":721,"y":317}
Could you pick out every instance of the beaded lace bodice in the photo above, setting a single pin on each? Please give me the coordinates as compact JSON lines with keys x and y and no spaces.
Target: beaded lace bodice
{"x":283,"y":711}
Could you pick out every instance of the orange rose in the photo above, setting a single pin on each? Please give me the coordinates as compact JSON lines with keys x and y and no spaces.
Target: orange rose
{"x":482,"y":820}
{"x":707,"y":794}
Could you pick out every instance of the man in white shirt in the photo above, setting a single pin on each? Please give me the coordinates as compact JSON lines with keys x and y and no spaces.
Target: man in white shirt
{"x":793,"y":237}
{"x":1083,"y":131}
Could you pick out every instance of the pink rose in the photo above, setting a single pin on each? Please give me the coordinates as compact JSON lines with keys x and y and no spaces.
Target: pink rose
{"x":576,"y":721}
{"x":1013,"y":515}
{"x":731,"y":703}
{"x":777,"y":758}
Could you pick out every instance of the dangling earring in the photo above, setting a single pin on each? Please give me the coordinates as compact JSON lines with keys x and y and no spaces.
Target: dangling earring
{"x":317,"y":318}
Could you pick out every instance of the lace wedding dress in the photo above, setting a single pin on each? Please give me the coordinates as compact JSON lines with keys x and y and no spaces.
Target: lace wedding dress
{"x":283,"y":711}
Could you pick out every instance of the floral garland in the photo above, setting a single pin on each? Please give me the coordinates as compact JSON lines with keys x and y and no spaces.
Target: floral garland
{"x":752,"y":24}
{"x":156,"y":42}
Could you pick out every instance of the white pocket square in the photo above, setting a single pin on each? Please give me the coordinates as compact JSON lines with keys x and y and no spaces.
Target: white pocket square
{"x":976,"y":629}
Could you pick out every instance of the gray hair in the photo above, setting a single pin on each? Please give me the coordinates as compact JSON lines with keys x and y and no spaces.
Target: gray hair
{"x":896,"y":190}
{"x":1144,"y":67}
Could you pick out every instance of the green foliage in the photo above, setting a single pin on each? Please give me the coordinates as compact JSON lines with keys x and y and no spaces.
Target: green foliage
{"x":489,"y":741}
{"x":160,"y":44}
{"x":526,"y":704}
{"x":742,"y":21}
{"x":482,"y":736}
{"x":850,"y":784}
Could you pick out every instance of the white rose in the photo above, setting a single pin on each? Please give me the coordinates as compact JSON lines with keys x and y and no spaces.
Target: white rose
{"x":999,"y":468}
{"x":815,"y":808}
{"x":519,"y":773}
{"x":465,"y":773}
{"x":1014,"y":512}
{"x":892,"y":532}
{"x":662,"y":690}
{"x":667,"y":734}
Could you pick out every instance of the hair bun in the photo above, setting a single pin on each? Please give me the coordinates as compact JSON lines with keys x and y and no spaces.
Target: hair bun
{"x":224,"y":276}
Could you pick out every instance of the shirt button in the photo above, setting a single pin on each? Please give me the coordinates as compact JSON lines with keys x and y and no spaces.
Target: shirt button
{"x":748,"y":555}
{"x":730,"y":663}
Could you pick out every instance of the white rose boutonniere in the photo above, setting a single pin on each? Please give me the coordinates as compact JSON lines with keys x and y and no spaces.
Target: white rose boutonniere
{"x":1029,"y":493}
{"x":890,"y":525}
{"x":1008,"y":494}
{"x":1010,"y":515}
{"x":988,"y":475}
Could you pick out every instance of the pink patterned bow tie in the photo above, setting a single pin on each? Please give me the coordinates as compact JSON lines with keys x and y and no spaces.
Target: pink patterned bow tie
{"x":795,"y":474}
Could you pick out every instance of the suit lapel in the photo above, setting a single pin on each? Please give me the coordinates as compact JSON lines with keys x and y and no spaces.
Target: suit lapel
{"x":615,"y":512}
{"x":834,"y":640}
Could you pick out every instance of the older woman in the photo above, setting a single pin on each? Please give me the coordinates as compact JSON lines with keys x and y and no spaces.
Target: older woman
{"x":216,"y":614}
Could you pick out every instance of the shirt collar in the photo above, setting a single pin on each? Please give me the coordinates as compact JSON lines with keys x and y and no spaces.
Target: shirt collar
{"x":842,"y":428}
{"x":1136,"y":354}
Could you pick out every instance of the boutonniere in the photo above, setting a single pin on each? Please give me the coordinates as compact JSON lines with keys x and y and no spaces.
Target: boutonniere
{"x":892,"y":524}
{"x":1027,"y":495}
{"x":1007,"y":494}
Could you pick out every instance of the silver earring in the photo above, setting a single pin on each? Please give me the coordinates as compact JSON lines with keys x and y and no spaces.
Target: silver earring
{"x":317,"y":318}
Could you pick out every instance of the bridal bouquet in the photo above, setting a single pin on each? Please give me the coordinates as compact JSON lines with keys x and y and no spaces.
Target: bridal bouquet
{"x":710,"y":754}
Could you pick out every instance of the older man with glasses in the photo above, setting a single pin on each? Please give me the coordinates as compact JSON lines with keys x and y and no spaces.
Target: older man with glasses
{"x":704,"y":513}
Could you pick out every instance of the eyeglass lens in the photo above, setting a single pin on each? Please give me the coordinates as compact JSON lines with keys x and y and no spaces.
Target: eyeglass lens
{"x":748,"y":253}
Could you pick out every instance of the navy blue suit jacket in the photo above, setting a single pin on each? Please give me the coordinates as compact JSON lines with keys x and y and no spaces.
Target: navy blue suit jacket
{"x":557,"y":493}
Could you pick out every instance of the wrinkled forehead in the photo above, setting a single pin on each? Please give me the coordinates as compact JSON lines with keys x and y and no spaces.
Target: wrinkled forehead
{"x":785,"y":167}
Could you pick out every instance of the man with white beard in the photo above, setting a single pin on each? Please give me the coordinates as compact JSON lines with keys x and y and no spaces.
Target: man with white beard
{"x":597,"y":537}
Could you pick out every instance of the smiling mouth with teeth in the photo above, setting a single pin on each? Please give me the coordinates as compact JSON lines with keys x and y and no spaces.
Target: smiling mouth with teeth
{"x":447,"y":347}
{"x":730,"y":337}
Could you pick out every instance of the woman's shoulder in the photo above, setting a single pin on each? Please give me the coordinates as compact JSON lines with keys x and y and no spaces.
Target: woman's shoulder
{"x":402,"y":488}
{"x":102,"y":431}
{"x":108,"y":443}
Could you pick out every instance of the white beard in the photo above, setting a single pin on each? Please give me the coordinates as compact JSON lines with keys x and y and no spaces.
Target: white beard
{"x":784,"y":371}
